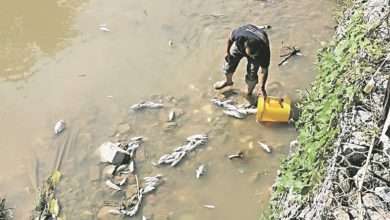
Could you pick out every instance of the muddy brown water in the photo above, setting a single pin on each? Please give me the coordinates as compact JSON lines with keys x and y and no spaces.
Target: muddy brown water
{"x":55,"y":64}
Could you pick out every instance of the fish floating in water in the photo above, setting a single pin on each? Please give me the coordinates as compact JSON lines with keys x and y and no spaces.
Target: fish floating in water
{"x":239,"y":155}
{"x":265,"y":147}
{"x":179,"y":153}
{"x":151,"y":184}
{"x":104,"y":28}
{"x":209,"y":206}
{"x":200,"y":171}
{"x":230,"y":109}
{"x":59,"y":127}
{"x":146,"y":104}
{"x":234,"y":114}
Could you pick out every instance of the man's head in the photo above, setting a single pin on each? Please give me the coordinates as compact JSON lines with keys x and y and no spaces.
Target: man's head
{"x":252,"y":48}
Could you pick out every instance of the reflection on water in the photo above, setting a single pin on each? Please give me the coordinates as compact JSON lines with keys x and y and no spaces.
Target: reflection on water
{"x":32,"y":30}
{"x":91,"y":83}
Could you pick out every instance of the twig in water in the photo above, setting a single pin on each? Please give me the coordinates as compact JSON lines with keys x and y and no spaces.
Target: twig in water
{"x":292,"y":52}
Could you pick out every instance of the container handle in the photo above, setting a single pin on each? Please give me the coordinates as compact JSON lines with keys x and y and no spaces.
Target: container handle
{"x":281,"y":100}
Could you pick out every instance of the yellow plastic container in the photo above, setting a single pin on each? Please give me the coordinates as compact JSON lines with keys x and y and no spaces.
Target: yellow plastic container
{"x":274,"y":109}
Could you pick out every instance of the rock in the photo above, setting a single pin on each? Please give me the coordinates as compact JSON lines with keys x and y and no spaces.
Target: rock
{"x":112,"y":153}
{"x":384,"y":193}
{"x":372,"y":201}
{"x":341,"y":214}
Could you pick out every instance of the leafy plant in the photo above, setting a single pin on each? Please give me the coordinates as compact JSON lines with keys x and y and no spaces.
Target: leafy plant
{"x":341,"y":71}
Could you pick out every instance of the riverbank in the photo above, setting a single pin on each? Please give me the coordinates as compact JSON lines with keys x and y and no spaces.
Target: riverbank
{"x":339,"y":162}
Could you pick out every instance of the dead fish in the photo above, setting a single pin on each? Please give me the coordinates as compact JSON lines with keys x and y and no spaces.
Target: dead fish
{"x":137,"y":139}
{"x":202,"y":137}
{"x":265,"y":147}
{"x":112,"y":185}
{"x":209,"y":206}
{"x":234,"y":114}
{"x":59,"y":127}
{"x":251,"y":110}
{"x":220,"y":103}
{"x":200,"y":171}
{"x":146,"y":104}
{"x":172,"y":116}
{"x":104,"y":28}
{"x":239,"y":155}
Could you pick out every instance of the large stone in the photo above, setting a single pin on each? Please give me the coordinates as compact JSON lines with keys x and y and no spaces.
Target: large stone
{"x":384,"y":193}
{"x":372,"y":201}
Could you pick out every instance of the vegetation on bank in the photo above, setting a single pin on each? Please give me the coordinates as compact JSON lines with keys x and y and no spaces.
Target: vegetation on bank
{"x":343,"y":67}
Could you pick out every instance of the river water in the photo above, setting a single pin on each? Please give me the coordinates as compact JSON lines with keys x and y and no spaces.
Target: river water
{"x":55,"y":64}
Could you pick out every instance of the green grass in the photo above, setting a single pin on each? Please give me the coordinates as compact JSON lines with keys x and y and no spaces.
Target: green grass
{"x":337,"y":86}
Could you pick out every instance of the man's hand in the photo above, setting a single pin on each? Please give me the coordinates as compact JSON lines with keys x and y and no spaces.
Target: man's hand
{"x":262,"y":92}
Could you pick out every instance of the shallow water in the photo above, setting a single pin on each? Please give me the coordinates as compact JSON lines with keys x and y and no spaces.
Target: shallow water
{"x":57,"y":64}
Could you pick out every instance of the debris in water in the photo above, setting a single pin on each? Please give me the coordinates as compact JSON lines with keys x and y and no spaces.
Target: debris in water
{"x":59,"y":127}
{"x":265,"y":147}
{"x":234,"y":114}
{"x":170,"y":43}
{"x":209,"y":206}
{"x":200,"y":171}
{"x":104,"y":28}
{"x":292,"y":51}
{"x":48,"y":206}
{"x":239,"y":155}
{"x":172,"y":116}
